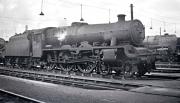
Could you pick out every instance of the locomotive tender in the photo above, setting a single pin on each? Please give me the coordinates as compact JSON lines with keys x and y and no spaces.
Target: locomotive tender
{"x":102,"y":48}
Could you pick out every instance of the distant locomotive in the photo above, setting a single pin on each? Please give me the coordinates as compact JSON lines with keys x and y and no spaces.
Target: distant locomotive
{"x":163,"y":46}
{"x":2,"y":48}
{"x":102,"y":48}
{"x":178,"y":49}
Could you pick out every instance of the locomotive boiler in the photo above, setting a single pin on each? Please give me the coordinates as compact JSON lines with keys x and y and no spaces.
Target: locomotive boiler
{"x":131,"y":32}
{"x":83,"y":47}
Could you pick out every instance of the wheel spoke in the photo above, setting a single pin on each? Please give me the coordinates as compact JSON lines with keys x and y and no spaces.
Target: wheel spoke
{"x":66,"y":67}
{"x":86,"y":68}
{"x":50,"y":66}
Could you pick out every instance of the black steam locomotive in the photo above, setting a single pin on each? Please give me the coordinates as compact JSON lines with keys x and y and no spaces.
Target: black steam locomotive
{"x":178,"y":49}
{"x":2,"y":48}
{"x":165,"y":47}
{"x":100,"y":48}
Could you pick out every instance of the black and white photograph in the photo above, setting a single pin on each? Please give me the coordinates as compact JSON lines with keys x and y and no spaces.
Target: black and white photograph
{"x":89,"y":51}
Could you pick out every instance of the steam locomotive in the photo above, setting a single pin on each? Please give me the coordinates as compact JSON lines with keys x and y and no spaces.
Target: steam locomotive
{"x":165,"y":47}
{"x":2,"y":48}
{"x":178,"y":49}
{"x":100,"y":48}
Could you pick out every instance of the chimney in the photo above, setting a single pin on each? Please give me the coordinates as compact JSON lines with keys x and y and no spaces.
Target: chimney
{"x":26,"y":27}
{"x":131,"y":11}
{"x":121,"y":17}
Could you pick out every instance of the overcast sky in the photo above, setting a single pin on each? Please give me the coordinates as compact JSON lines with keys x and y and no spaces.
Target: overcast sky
{"x":15,"y":14}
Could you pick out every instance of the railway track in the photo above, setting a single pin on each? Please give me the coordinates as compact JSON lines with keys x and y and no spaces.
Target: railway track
{"x":97,"y":83}
{"x":70,"y":80}
{"x":9,"y":97}
{"x":83,"y":81}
